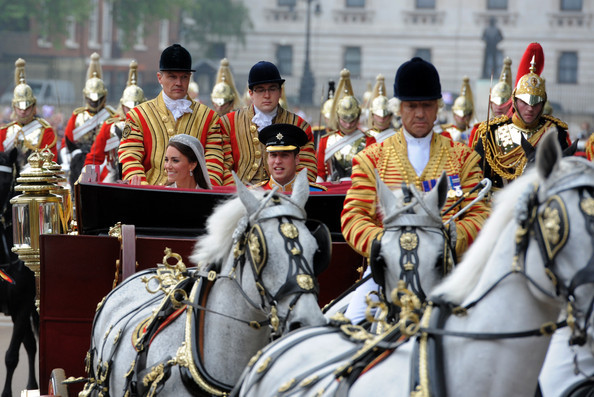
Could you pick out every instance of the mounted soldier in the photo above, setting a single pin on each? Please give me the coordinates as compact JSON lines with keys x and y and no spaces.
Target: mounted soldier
{"x":380,"y":112}
{"x":224,"y":96}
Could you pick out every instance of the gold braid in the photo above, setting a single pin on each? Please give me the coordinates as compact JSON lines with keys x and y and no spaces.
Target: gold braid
{"x":496,"y":165}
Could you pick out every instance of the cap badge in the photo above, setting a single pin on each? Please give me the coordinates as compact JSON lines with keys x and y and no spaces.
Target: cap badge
{"x":279,"y":136}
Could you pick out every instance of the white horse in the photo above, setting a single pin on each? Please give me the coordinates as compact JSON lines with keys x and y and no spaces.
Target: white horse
{"x":415,"y":251}
{"x":523,"y":269}
{"x":255,"y":280}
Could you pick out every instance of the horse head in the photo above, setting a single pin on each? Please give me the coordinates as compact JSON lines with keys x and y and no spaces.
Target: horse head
{"x":271,"y":255}
{"x":415,"y":246}
{"x":78,"y":154}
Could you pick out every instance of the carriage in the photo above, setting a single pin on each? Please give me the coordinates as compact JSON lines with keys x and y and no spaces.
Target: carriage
{"x":124,"y":229}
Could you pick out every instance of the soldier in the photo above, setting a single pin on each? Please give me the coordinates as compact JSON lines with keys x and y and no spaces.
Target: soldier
{"x":29,"y":131}
{"x":150,"y":124}
{"x":463,"y":112}
{"x":380,"y":112}
{"x":243,"y":152}
{"x":500,"y":141}
{"x":283,"y":142}
{"x":224,"y":96}
{"x":415,"y":155}
{"x":500,"y":99}
{"x":590,"y":148}
{"x":337,"y":149}
{"x":85,"y":122}
{"x":104,"y":151}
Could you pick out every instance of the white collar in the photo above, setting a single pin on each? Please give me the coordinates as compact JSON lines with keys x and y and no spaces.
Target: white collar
{"x":418,"y":150}
{"x":262,"y":119}
{"x":177,"y":107}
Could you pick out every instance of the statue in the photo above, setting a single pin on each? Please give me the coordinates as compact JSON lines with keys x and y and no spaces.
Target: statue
{"x":491,"y":36}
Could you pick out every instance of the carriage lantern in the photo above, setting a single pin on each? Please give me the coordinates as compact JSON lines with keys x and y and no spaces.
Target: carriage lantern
{"x":35,"y":212}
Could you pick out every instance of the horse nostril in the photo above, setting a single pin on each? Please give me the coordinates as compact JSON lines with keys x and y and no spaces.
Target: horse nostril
{"x":295,"y":325}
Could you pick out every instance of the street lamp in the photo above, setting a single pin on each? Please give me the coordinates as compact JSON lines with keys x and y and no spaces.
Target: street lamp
{"x":307,"y":79}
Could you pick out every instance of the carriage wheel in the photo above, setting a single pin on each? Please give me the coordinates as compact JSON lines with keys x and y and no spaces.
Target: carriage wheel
{"x":55,"y":386}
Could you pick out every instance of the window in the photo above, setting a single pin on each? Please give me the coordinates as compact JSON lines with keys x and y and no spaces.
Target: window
{"x":571,"y":5}
{"x":94,"y":25}
{"x":284,"y":59}
{"x":496,"y":4}
{"x":71,"y":32}
{"x":355,"y":3}
{"x":163,"y":34}
{"x":352,"y":61}
{"x":568,"y":68}
{"x":423,"y":53}
{"x":428,"y":4}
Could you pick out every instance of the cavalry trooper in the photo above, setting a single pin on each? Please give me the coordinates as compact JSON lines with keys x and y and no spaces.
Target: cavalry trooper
{"x":502,"y":141}
{"x":463,"y":112}
{"x":414,"y":155}
{"x":500,"y":100}
{"x":283,"y":142}
{"x":104,"y":151}
{"x":224,"y":96}
{"x":29,"y":131}
{"x":380,"y":112}
{"x":243,"y":151}
{"x":337,"y":149}
{"x":85,"y":122}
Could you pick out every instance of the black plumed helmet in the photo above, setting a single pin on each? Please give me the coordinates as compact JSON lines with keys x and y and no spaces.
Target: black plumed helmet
{"x":176,"y":58}
{"x":417,"y":80}
{"x":262,"y":73}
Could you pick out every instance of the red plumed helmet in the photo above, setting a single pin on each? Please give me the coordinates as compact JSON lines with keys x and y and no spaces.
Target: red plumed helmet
{"x":535,"y":51}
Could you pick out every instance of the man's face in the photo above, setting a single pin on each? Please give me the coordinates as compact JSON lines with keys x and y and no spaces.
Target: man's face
{"x":24,"y":116}
{"x":418,"y":116}
{"x":498,"y":110}
{"x":462,"y":122}
{"x":282,"y":166}
{"x":223,"y":109}
{"x":175,"y":84}
{"x":528,"y":113}
{"x":348,"y":127}
{"x":266,"y":96}
{"x":382,"y":123}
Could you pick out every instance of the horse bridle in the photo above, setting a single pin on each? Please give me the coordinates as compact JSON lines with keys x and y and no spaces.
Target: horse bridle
{"x":251,"y":244}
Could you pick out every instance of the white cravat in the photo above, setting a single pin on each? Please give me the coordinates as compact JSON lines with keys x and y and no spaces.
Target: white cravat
{"x":418,"y":150}
{"x":177,"y":107}
{"x":262,"y":119}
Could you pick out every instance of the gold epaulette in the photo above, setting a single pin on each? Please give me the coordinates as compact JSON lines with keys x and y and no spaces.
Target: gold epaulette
{"x":556,"y":121}
{"x":79,"y":110}
{"x":498,"y":120}
{"x":329,"y":133}
{"x":43,"y":122}
{"x":313,"y":184}
{"x":318,"y":128}
{"x":367,"y":133}
{"x":259,"y":184}
{"x":115,"y":118}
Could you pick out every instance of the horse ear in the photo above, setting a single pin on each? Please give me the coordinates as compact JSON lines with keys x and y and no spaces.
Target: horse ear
{"x":249,"y":201}
{"x":70,"y":145}
{"x":300,"y":192}
{"x":438,"y":196}
{"x":548,"y":153}
{"x":12,"y":156}
{"x":386,"y":198}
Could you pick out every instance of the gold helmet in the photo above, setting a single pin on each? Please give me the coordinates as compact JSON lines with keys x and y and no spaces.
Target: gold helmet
{"x":327,"y":106}
{"x":224,"y":89}
{"x":530,"y":87}
{"x":345,"y":106}
{"x":367,"y":96}
{"x":283,"y":98}
{"x":94,"y":87}
{"x":501,"y":92}
{"x":23,"y":96}
{"x":464,"y":105}
{"x":378,"y":104}
{"x":193,"y":89}
{"x":133,"y":95}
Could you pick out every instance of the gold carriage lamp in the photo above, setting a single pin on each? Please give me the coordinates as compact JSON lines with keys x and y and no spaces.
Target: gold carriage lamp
{"x":35,"y":212}
{"x":61,"y":186}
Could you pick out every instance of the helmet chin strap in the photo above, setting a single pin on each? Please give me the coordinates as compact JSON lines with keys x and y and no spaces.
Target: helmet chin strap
{"x":519,"y":117}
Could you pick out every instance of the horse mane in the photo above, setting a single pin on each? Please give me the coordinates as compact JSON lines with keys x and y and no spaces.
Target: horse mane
{"x":466,"y":274}
{"x":215,"y":245}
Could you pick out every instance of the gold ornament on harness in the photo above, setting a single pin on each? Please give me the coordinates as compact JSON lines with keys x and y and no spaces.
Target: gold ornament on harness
{"x":551,"y":222}
{"x":289,"y":230}
{"x":587,"y":205}
{"x":409,"y":241}
{"x":305,"y":282}
{"x":168,"y":276}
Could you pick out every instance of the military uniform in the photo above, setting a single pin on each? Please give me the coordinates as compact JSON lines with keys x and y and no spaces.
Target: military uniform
{"x":244,"y":153}
{"x":590,"y":148}
{"x":360,"y":221}
{"x":37,"y":134}
{"x":336,"y":152}
{"x":146,"y":134}
{"x":104,"y":151}
{"x":288,"y":187}
{"x":379,"y":105}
